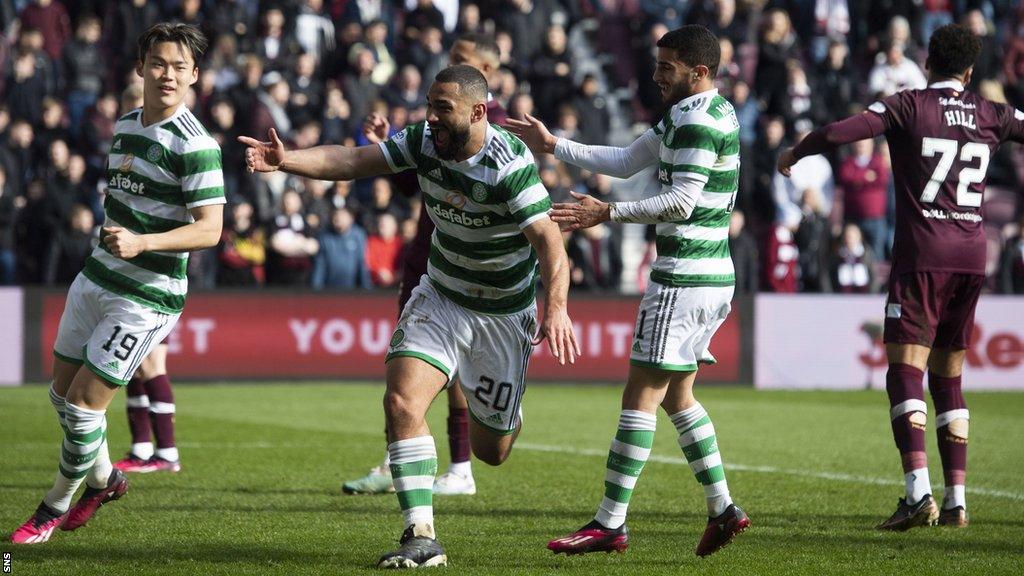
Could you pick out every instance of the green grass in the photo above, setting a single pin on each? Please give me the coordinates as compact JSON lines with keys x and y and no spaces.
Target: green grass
{"x":263,"y":464}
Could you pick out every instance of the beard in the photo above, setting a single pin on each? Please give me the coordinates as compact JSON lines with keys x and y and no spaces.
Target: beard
{"x":457,"y":138}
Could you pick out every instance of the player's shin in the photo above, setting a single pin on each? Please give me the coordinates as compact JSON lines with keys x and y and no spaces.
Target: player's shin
{"x":951,"y":426}
{"x":700,"y":447}
{"x":85,"y":436}
{"x":458,"y":441}
{"x":626,"y":458}
{"x":909,"y":415}
{"x":161,"y":413}
{"x":137,"y":405}
{"x":413,"y":467}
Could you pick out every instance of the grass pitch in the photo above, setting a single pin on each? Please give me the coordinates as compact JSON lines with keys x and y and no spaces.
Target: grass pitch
{"x":259,"y":492}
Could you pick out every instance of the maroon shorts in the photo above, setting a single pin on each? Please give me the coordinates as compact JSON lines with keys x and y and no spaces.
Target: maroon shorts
{"x":932,"y":309}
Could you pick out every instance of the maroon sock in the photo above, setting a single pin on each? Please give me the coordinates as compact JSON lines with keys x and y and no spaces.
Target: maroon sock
{"x":138,"y":412}
{"x":161,"y":408}
{"x":458,"y":434}
{"x":905,"y":387}
{"x":948,"y":396}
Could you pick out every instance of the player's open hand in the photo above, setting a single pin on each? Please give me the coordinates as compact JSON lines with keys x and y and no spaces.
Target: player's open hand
{"x":123,"y":243}
{"x":586,"y":212}
{"x":556,"y":328}
{"x":376,"y":128}
{"x":533,"y":133}
{"x":786,"y":161}
{"x":263,"y":156}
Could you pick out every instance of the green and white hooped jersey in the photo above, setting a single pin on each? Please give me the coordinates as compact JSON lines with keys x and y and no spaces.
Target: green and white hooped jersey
{"x":699,"y":141}
{"x":155,"y":175}
{"x":479,"y":257}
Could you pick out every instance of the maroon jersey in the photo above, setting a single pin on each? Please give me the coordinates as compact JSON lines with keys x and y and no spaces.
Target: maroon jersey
{"x":941,"y":140}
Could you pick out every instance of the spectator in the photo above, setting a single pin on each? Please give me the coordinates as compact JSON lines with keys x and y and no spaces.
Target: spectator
{"x":84,"y":69}
{"x":25,"y":85}
{"x":242,"y":249}
{"x":306,"y":90}
{"x":340,"y":196}
{"x":551,"y":81}
{"x":406,"y":90}
{"x":341,"y":262}
{"x":934,"y":14}
{"x":338,"y":123}
{"x":130,"y":20}
{"x":772,"y":137}
{"x":836,"y":85}
{"x":70,"y":247}
{"x":383,"y":251}
{"x":271,"y":108}
{"x":789,"y":193}
{"x":98,"y":133}
{"x":10,"y":205}
{"x":314,"y":31}
{"x":244,"y":95}
{"x":776,"y":49}
{"x":520,"y":105}
{"x":32,"y":235}
{"x":427,"y":54}
{"x":52,"y":21}
{"x":382,"y":201}
{"x":357,"y":85}
{"x":291,"y":248}
{"x":894,"y":74}
{"x":802,"y":108}
{"x":318,"y":207}
{"x":1011,"y":263}
{"x":225,"y":131}
{"x":590,"y":251}
{"x":831,"y":24}
{"x":375,"y":40}
{"x":813,"y":240}
{"x":986,"y":67}
{"x":745,"y":258}
{"x":51,"y":127}
{"x":17,"y":158}
{"x":592,"y":108}
{"x":276,"y":48}
{"x":523,"y":19}
{"x":853,"y":264}
{"x":864,"y":180}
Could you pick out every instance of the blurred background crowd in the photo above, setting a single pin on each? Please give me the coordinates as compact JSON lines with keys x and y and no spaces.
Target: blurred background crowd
{"x":313,"y":69}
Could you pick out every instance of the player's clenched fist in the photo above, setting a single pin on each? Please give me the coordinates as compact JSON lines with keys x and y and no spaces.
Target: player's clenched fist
{"x":123,"y":243}
{"x":263,"y":156}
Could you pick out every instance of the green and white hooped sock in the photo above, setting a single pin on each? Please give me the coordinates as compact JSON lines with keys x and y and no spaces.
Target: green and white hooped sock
{"x":626,"y":458}
{"x":413,"y":468}
{"x":700,"y":447}
{"x":85,"y":436}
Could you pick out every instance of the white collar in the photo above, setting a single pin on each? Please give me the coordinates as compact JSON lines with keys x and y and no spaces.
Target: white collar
{"x":954,"y":84}
{"x":690,"y":99}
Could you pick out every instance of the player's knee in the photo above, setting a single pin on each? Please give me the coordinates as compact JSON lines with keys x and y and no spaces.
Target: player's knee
{"x":397,"y":406}
{"x":915,"y":411}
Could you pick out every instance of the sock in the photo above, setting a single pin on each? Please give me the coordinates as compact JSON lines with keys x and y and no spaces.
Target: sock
{"x":626,"y":458}
{"x":161,"y":412}
{"x":84,"y":435}
{"x":951,"y":423}
{"x":458,"y":439}
{"x":137,"y":406}
{"x":464,"y":469}
{"x":909,"y":415}
{"x":59,"y":406}
{"x":413,"y":467}
{"x":700,"y":446}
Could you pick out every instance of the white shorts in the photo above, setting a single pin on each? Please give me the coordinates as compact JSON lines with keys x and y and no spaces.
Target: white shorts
{"x":111,"y":335}
{"x":489,"y":353}
{"x":674,"y":326}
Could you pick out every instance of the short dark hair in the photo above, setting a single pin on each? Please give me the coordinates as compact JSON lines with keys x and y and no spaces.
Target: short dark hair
{"x":470,"y":80}
{"x":184,"y":34}
{"x":952,"y":49}
{"x":485,"y":44}
{"x":695,"y":45}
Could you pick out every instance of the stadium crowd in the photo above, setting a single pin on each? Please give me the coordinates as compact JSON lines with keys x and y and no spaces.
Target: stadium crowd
{"x":313,"y":69}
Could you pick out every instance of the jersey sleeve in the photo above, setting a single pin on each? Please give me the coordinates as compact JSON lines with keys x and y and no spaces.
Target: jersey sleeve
{"x":1011,"y":121}
{"x":894,"y":110}
{"x":525,"y":196}
{"x":402,"y":150}
{"x":202,"y":176}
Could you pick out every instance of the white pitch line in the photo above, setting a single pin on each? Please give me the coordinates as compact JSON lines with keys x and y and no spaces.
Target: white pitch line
{"x":835,"y":476}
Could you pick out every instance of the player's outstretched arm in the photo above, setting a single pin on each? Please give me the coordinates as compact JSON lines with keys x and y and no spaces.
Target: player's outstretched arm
{"x":860,"y":127}
{"x":610,"y":160}
{"x":203,"y":233}
{"x":555,"y":326}
{"x":320,"y":162}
